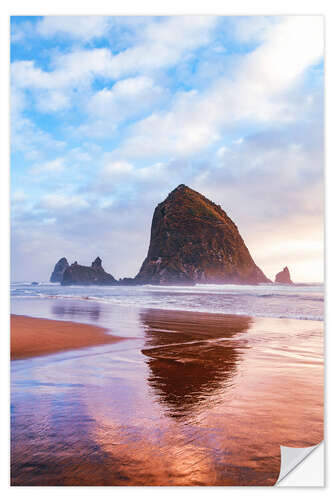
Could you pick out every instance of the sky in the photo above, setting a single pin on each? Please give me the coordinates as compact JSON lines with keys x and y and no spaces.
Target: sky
{"x":110,"y":114}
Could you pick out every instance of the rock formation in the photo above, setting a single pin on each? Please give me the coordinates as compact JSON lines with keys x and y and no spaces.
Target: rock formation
{"x":194,"y":241}
{"x":58,"y":271}
{"x":85,"y":275}
{"x":283,"y":277}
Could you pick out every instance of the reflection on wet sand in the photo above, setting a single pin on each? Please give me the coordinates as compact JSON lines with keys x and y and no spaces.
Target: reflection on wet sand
{"x":199,"y":399}
{"x":72,"y":310}
{"x":191,"y":356}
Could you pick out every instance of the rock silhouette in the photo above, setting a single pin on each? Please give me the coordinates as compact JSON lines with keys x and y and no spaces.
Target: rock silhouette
{"x":284,"y":277}
{"x":194,"y":241}
{"x":58,"y":271}
{"x":85,"y":275}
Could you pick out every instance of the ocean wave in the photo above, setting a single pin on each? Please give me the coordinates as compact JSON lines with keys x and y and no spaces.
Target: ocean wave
{"x":145,"y":302}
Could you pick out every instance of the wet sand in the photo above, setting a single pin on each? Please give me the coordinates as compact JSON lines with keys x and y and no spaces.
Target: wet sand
{"x":31,"y":337}
{"x":193,"y":399}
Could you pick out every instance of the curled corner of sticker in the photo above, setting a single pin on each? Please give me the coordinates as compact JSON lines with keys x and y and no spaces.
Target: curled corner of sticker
{"x":291,"y":458}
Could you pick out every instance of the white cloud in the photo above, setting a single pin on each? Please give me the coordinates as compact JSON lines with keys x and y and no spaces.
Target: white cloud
{"x":30,"y":139}
{"x":133,"y":86}
{"x":82,"y":27}
{"x":18,"y":196}
{"x":162,"y":43}
{"x":293,"y":45}
{"x":250,"y":28}
{"x":221,"y":151}
{"x":72,"y":74}
{"x":80,"y":155}
{"x":73,"y":68}
{"x":58,"y":201}
{"x":239,"y":141}
{"x":117,"y":170}
{"x":53,"y":166}
{"x":51,"y":101}
{"x":17,"y":100}
{"x":185,"y":129}
{"x":288,"y":48}
{"x":256,"y":92}
{"x":109,"y":107}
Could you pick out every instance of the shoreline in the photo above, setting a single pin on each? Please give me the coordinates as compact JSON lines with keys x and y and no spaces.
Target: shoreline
{"x":28,"y":335}
{"x":140,"y":307}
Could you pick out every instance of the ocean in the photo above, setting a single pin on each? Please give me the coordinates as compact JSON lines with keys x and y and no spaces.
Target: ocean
{"x":301,"y":301}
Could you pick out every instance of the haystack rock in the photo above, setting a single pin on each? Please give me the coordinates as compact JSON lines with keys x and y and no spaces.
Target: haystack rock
{"x":85,"y":275}
{"x":58,"y":271}
{"x":194,"y":241}
{"x":283,"y":277}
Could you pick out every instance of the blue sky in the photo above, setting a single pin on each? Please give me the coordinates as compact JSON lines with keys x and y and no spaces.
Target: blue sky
{"x":109,"y":114}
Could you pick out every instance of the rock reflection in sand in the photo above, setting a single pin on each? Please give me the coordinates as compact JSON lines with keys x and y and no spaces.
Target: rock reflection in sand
{"x":73,"y":311}
{"x":192,"y":359}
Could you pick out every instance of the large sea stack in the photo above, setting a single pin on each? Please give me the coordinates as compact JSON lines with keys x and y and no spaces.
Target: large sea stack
{"x":194,"y":241}
{"x":58,"y":271}
{"x":85,"y":275}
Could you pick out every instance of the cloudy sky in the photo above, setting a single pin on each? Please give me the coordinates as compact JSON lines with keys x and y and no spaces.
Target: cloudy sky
{"x":109,"y":114}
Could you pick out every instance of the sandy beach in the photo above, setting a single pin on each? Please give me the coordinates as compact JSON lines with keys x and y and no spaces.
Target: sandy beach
{"x":190,"y":399}
{"x":37,"y":337}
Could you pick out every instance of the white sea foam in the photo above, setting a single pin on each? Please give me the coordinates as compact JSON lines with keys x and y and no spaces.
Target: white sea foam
{"x":277,"y":301}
